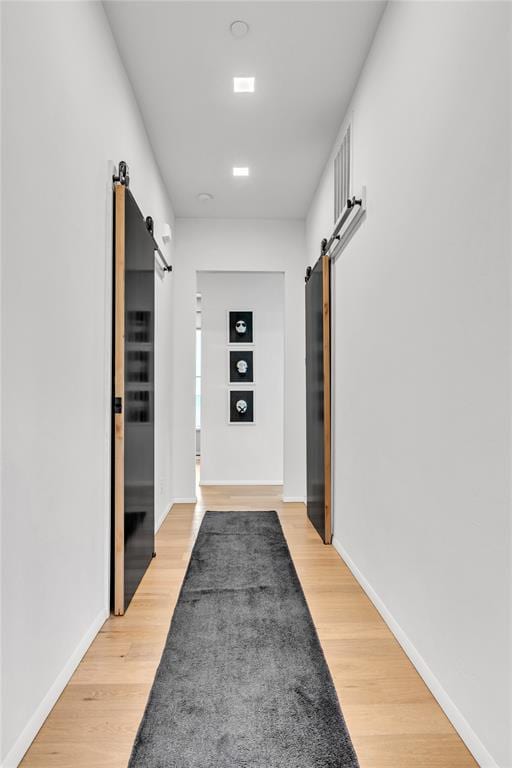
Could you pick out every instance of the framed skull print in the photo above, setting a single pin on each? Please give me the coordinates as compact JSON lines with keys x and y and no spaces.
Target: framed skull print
{"x":241,"y":406}
{"x":240,"y":327}
{"x":241,"y":366}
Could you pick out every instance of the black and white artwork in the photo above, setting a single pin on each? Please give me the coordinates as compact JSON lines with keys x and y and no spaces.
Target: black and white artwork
{"x":240,"y":327}
{"x":241,"y":406}
{"x":241,"y":366}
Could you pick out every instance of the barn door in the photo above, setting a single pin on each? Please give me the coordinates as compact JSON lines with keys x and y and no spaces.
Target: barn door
{"x":133,"y":517}
{"x":318,"y":397}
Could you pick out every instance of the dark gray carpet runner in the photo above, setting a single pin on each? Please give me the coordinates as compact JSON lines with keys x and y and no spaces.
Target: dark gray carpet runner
{"x":243,"y":682}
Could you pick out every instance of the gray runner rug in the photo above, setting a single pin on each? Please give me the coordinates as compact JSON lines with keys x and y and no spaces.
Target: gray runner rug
{"x":243,"y":682}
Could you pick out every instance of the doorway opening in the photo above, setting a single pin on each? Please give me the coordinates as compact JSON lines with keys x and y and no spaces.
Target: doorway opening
{"x":239,"y":396}
{"x":198,"y":387}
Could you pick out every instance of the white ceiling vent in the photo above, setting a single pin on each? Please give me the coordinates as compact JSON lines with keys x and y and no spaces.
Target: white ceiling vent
{"x":343,"y":174}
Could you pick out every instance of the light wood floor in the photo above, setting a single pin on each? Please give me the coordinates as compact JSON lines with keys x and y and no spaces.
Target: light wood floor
{"x":393,"y":719}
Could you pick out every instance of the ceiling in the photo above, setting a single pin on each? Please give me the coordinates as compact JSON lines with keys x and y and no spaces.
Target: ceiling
{"x":181,"y":59}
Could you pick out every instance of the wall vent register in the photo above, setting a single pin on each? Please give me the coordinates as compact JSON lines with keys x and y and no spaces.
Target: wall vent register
{"x":343,"y":174}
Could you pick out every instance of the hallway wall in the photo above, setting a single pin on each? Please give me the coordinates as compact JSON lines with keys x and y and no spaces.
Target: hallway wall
{"x":68,"y":115}
{"x":246,"y":454}
{"x":422,"y":354}
{"x":238,"y":245}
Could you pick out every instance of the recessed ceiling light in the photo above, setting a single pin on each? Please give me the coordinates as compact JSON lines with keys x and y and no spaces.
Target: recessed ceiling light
{"x":204,"y":197}
{"x":238,"y":171}
{"x":239,"y":28}
{"x":243,"y":84}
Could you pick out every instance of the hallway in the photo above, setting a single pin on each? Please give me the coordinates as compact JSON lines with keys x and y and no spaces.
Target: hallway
{"x":276,"y":235}
{"x":393,"y":719}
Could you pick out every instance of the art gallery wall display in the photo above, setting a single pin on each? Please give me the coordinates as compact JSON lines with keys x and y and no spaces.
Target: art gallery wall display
{"x":240,"y":327}
{"x":241,"y":406}
{"x":241,"y":366}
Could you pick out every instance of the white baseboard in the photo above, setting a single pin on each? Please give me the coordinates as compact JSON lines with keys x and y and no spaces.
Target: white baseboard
{"x":163,"y":516}
{"x":459,"y":722}
{"x":294,"y":499}
{"x":240,"y":482}
{"x":185,"y":500}
{"x":27,"y":736}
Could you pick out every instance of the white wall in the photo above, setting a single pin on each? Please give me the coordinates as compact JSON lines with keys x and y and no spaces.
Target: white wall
{"x":422,"y":353}
{"x":1,"y":397}
{"x":238,"y":245}
{"x":242,"y":454}
{"x":68,"y":114}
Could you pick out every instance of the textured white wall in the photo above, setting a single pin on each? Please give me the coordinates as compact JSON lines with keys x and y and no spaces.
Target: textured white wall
{"x":422,"y":353}
{"x":242,"y":454}
{"x":231,"y":245}
{"x":68,"y":114}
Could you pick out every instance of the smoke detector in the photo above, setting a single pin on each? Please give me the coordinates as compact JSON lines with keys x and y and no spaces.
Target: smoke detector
{"x":239,"y":29}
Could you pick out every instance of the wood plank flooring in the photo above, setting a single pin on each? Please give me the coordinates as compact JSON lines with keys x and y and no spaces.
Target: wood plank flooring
{"x":393,"y":719}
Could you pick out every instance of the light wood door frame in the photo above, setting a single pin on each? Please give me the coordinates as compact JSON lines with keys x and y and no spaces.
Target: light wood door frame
{"x":119,"y":342}
{"x":326,"y":302}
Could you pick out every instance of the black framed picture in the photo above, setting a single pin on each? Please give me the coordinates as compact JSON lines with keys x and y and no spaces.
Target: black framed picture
{"x":241,"y":406}
{"x":240,"y":327}
{"x":241,"y":366}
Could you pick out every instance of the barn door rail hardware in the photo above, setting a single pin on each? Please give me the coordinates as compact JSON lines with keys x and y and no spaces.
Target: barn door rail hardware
{"x":345,"y":226}
{"x":123,"y":175}
{"x":150,"y":227}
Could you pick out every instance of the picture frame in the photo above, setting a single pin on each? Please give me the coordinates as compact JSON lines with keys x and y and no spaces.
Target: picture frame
{"x":240,"y":326}
{"x":238,"y":373}
{"x":236,"y":416}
